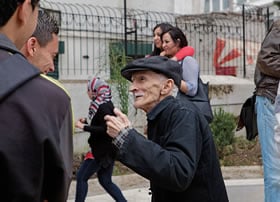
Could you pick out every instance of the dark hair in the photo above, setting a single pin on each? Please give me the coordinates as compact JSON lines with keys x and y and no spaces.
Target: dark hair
{"x":34,"y":3}
{"x":8,"y":7}
{"x":164,"y":27}
{"x":175,"y":34}
{"x":46,"y":26}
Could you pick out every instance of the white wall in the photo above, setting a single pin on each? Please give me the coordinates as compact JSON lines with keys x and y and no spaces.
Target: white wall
{"x":188,"y":7}
{"x":170,"y":6}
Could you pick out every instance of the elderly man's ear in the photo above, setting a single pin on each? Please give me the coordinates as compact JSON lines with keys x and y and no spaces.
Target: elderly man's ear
{"x":167,"y":87}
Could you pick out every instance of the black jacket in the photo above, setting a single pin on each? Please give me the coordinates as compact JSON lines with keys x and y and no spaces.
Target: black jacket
{"x":36,"y":129}
{"x":99,"y":141}
{"x":179,"y":156}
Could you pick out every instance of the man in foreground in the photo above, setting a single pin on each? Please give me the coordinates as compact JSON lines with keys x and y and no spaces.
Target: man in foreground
{"x":36,"y":125}
{"x":179,"y":156}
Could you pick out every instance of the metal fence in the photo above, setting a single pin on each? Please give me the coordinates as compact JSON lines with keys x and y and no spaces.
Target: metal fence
{"x":225,"y":43}
{"x":87,"y":33}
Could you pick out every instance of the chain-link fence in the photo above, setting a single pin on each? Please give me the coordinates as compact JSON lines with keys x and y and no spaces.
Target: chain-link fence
{"x":225,"y":43}
{"x":92,"y":41}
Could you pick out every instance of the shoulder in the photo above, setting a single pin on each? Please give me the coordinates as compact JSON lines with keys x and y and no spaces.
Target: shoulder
{"x":177,"y":106}
{"x":185,"y":107}
{"x":47,"y":91}
{"x":55,"y":83}
{"x":276,"y":26}
{"x":190,"y":63}
{"x":107,"y":105}
{"x":107,"y":108}
{"x":189,"y":59}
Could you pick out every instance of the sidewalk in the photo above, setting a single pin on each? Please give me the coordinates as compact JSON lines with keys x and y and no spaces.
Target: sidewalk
{"x":129,"y":184}
{"x":132,"y":195}
{"x":249,"y":190}
{"x":244,"y":184}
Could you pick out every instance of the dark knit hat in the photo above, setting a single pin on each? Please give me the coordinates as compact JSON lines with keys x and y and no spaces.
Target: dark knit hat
{"x":159,"y":64}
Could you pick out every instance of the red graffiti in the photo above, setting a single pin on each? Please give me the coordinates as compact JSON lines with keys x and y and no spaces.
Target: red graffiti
{"x":220,"y":69}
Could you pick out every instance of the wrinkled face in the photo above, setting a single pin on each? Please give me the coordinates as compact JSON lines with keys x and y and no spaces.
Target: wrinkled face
{"x":157,"y":40}
{"x":44,"y":56}
{"x":169,"y":46}
{"x":146,"y":88}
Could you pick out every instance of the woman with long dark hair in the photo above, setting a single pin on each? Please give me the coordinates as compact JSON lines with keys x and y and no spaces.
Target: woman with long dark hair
{"x":192,"y":88}
{"x":158,"y":49}
{"x":173,"y":40}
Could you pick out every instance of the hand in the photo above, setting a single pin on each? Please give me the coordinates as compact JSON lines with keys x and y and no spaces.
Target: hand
{"x":79,"y":124}
{"x":83,"y":120}
{"x":162,"y":53}
{"x":116,"y":123}
{"x":174,"y":58}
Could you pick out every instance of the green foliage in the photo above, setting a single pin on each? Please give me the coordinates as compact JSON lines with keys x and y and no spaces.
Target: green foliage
{"x":223,"y":126}
{"x":277,"y":4}
{"x":117,"y":61}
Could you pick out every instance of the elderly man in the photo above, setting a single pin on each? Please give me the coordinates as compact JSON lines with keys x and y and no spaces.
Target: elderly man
{"x":179,"y":156}
{"x":36,"y":117}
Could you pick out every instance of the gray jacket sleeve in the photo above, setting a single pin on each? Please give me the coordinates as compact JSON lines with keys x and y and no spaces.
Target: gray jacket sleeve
{"x":190,"y":74}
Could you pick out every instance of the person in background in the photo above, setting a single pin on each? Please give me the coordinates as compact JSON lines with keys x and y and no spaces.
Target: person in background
{"x":42,"y":47}
{"x":158,"y":49}
{"x":36,"y":117}
{"x":178,"y":156}
{"x":173,"y":41}
{"x":267,"y":75}
{"x":102,"y":160}
{"x":191,"y":85}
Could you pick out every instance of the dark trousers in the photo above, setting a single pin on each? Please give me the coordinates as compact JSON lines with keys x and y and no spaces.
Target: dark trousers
{"x":87,"y":169}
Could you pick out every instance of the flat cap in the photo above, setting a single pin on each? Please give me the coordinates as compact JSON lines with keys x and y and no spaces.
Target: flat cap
{"x":159,"y":64}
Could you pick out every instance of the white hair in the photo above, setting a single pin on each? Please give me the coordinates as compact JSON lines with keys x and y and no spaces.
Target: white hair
{"x":163,"y":78}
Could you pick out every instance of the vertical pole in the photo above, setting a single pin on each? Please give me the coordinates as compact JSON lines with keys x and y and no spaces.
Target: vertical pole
{"x":135,"y":27}
{"x":244,"y":41}
{"x":268,"y":19}
{"x":125,"y":30}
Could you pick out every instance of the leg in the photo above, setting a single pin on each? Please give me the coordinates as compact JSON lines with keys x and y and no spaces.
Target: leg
{"x":105,"y":179}
{"x":271,"y":157}
{"x":87,"y":169}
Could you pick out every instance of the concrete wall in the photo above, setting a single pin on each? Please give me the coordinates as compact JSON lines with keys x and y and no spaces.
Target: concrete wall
{"x":227,"y":92}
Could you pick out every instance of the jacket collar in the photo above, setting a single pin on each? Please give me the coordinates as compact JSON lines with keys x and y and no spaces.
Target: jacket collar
{"x":159,"y":107}
{"x":7,"y":44}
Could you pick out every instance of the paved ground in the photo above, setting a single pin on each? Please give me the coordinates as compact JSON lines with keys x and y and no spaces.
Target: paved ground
{"x":244,"y":184}
{"x":248,"y":190}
